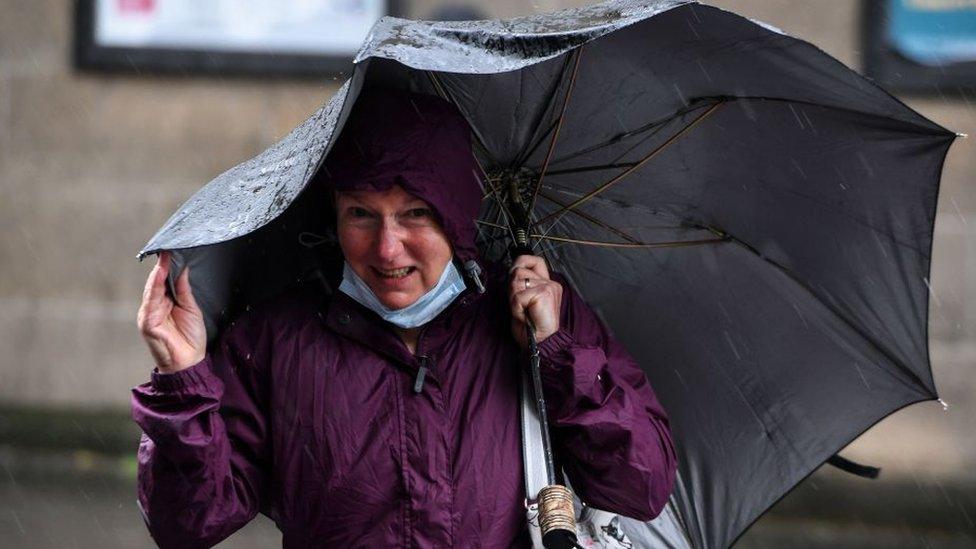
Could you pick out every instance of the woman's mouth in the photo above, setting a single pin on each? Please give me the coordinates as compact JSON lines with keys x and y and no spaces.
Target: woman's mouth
{"x":393,"y":273}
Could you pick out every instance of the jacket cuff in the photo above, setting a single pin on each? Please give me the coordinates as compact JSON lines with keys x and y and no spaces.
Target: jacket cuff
{"x":198,"y":374}
{"x":550,"y":347}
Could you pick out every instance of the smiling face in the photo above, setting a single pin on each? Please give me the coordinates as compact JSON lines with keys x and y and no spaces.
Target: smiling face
{"x":392,"y":240}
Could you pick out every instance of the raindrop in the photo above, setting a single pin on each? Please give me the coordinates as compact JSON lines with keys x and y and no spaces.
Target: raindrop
{"x":797,"y":117}
{"x":966,"y":514}
{"x":20,"y":526}
{"x":861,"y":375}
{"x":809,"y":123}
{"x":798,"y":168}
{"x":728,"y":339}
{"x":962,"y":217}
{"x":864,"y":163}
{"x":705,"y":72}
{"x":881,"y":245}
{"x":800,"y":314}
{"x":681,"y":96}
{"x":747,"y":108}
{"x":680,"y":379}
{"x":931,"y":292}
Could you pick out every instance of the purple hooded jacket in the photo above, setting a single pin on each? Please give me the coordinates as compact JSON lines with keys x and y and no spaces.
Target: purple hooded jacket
{"x":305,"y":409}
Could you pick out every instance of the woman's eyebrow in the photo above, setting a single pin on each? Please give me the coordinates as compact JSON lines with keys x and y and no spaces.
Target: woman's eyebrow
{"x":358,"y":203}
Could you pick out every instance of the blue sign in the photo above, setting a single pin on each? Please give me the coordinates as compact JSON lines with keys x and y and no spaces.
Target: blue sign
{"x":933,"y":32}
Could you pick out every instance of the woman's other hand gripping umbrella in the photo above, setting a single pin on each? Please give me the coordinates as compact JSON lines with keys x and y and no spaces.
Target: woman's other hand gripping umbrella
{"x":173,"y":328}
{"x":533,"y":293}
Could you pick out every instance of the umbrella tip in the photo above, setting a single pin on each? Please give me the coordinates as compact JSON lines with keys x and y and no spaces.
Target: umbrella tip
{"x":962,"y":135}
{"x":945,"y":405}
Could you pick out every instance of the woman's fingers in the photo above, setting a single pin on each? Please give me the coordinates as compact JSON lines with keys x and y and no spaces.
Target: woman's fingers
{"x":172,"y":326}
{"x":533,"y":295}
{"x":154,"y":296}
{"x":541,"y":303}
{"x":155,"y":282}
{"x":540,"y":291}
{"x":532,"y":263}
{"x":187,"y":316}
{"x":518,"y":282}
{"x":523,"y":278}
{"x":522,"y":300}
{"x":184,"y":292}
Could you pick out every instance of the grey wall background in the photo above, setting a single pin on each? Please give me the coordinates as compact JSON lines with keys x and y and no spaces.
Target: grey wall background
{"x":92,"y":164}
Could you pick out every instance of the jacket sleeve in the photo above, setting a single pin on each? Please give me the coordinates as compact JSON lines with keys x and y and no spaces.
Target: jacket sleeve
{"x":203,"y":459}
{"x":612,"y":434}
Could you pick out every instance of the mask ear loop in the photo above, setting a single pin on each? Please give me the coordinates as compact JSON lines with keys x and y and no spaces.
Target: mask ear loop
{"x":311,"y":240}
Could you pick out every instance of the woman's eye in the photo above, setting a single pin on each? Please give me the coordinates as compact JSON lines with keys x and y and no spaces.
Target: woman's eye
{"x":358,"y":212}
{"x":419,"y":212}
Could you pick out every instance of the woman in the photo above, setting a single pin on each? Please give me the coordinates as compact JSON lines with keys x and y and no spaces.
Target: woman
{"x":387,"y":414}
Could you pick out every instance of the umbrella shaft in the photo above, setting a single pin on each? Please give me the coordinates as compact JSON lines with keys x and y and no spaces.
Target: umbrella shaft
{"x":540,"y":401}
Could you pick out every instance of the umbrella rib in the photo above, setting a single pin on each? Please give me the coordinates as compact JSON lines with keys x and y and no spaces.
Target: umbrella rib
{"x":540,"y":137}
{"x":490,"y":224}
{"x":503,"y":213}
{"x":559,"y":124}
{"x":487,"y":239}
{"x":830,"y":307}
{"x":591,"y":218}
{"x":491,"y":188}
{"x":602,"y":167}
{"x":530,"y":151}
{"x":604,"y":244}
{"x":502,"y":210}
{"x":601,"y":188}
{"x":442,"y":91}
{"x":444,"y":94}
{"x":656,"y":125}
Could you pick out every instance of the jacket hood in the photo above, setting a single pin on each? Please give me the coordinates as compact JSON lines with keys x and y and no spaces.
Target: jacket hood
{"x":420,"y":142}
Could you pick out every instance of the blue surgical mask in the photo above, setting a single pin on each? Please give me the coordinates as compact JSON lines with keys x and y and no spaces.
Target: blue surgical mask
{"x":422,"y":311}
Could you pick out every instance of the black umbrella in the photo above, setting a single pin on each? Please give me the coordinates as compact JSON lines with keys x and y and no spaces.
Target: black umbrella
{"x":753,"y":220}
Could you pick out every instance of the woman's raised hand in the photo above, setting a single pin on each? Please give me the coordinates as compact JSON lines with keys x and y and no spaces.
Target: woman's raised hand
{"x":174,"y":331}
{"x":533,"y":293}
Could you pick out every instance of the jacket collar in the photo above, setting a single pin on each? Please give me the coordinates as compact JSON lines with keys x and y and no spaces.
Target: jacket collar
{"x":352,"y":320}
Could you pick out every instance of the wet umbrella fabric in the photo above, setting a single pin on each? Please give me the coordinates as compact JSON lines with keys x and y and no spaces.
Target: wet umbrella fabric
{"x":753,"y":220}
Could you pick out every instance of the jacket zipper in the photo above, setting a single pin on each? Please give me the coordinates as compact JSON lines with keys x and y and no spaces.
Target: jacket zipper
{"x":418,"y":384}
{"x":424,"y":361}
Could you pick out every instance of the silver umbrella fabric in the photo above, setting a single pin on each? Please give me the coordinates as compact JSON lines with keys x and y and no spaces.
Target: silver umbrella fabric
{"x":753,"y":220}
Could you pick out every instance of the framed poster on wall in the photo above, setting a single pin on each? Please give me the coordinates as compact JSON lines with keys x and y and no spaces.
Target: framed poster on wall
{"x":254,"y":37}
{"x":921,"y":46}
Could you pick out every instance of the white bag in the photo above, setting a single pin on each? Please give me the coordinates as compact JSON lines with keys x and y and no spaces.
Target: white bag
{"x":595,"y":529}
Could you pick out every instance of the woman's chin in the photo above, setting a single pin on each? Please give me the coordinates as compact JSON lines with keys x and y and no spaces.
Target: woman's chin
{"x":395,"y":302}
{"x":396,"y":298}
{"x":397,"y":293}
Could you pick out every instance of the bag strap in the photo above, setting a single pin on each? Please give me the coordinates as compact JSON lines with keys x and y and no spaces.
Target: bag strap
{"x":532,"y":452}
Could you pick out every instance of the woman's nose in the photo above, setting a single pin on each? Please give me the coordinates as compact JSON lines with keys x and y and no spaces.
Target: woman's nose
{"x":389,"y":244}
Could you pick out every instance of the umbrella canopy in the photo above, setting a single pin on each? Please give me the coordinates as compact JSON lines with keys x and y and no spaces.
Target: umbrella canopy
{"x":753,"y":220}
